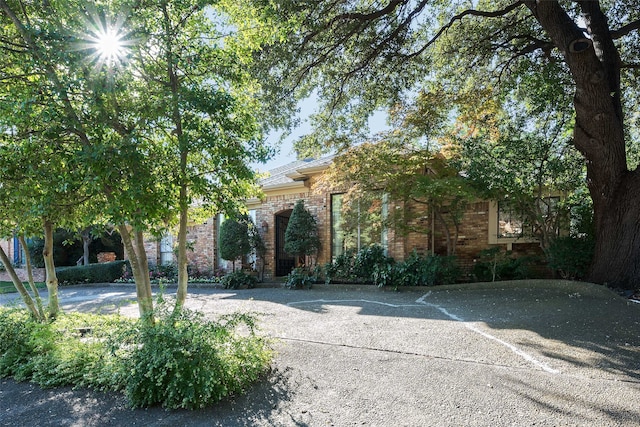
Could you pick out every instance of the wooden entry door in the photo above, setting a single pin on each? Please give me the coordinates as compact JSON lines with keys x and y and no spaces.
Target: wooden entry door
{"x":284,"y":262}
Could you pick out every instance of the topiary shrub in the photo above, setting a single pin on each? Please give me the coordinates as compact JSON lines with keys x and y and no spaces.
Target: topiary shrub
{"x":301,"y":236}
{"x":234,"y":239}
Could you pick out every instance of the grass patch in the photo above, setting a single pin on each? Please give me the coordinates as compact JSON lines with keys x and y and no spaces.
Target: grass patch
{"x":8,"y":287}
{"x":182,"y":361}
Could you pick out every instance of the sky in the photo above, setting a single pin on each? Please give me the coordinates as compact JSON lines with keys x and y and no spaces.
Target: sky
{"x":285,"y":153}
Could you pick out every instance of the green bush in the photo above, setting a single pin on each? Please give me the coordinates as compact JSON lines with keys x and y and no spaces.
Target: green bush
{"x":239,"y":280}
{"x":495,"y":264}
{"x":341,"y":269}
{"x":358,"y":267}
{"x":430,"y":270}
{"x":571,"y":256}
{"x":366,"y":261}
{"x":15,"y":346}
{"x":180,"y":361}
{"x":93,"y":273}
{"x":300,"y":277}
{"x":186,"y":361}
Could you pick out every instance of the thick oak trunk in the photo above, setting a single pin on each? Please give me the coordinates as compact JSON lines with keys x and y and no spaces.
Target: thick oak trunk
{"x":617,"y":253}
{"x":594,"y":65}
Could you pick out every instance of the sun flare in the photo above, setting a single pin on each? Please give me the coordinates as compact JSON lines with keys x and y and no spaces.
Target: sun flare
{"x":109,"y":45}
{"x":107,"y":41}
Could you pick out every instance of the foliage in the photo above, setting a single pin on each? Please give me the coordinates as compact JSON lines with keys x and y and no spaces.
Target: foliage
{"x":342,"y":268}
{"x":107,"y":272}
{"x":239,"y":280}
{"x":186,"y":361}
{"x":427,"y":270}
{"x":571,"y":256}
{"x":371,"y":265}
{"x":233,"y":240}
{"x":67,"y":248}
{"x":300,"y":277}
{"x":357,"y":267}
{"x":497,"y":264}
{"x":182,"y":361}
{"x":301,"y":237}
{"x":367,"y":259}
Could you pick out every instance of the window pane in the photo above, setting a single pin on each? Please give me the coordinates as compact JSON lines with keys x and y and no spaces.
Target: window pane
{"x":509,"y":223}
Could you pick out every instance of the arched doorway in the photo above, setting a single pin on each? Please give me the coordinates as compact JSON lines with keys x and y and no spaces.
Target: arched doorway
{"x":284,"y":262}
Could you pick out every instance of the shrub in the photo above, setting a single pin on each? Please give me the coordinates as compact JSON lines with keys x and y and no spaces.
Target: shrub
{"x":342,"y":268}
{"x":234,"y":239}
{"x":300,"y":277}
{"x":239,"y":280}
{"x":495,"y":264}
{"x":366,"y":261}
{"x":358,"y":267}
{"x":301,"y":236}
{"x":571,"y":256}
{"x":181,"y":361}
{"x":430,"y":270}
{"x":93,"y":273}
{"x":186,"y":361}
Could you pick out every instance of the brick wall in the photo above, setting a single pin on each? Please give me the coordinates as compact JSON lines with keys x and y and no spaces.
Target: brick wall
{"x":317,"y":204}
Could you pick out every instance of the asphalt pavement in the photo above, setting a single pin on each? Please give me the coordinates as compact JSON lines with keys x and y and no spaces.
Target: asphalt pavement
{"x":543,"y":353}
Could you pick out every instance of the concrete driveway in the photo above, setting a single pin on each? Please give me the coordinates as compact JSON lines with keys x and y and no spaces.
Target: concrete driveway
{"x":520,"y":353}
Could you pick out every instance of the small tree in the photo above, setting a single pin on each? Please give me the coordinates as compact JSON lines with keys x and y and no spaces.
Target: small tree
{"x":301,"y":237}
{"x":257,"y":246}
{"x":234,"y":239}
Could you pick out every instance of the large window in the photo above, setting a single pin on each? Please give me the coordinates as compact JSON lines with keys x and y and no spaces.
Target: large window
{"x":356,"y":224}
{"x":510,"y":224}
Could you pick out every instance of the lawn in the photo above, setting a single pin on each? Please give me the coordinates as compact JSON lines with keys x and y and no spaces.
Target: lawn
{"x":8,"y":287}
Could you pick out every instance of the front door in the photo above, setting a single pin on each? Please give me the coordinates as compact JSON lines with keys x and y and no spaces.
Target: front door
{"x":284,"y":262}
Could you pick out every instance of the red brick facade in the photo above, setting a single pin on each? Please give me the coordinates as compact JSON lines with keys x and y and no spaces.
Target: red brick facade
{"x":295,"y":182}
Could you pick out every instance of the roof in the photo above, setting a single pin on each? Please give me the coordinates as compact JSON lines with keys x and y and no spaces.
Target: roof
{"x":299,"y":170}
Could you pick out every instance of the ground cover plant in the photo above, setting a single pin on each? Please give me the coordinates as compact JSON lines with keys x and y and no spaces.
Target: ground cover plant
{"x":182,"y":360}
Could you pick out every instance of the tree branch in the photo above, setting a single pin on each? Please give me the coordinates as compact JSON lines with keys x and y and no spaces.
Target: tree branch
{"x":625,"y":29}
{"x":462,"y":15}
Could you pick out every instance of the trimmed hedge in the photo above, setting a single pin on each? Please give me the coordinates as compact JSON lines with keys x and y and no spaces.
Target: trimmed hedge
{"x":93,"y":273}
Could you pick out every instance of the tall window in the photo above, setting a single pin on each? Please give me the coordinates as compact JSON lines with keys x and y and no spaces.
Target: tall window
{"x":166,"y":249}
{"x":356,"y":224}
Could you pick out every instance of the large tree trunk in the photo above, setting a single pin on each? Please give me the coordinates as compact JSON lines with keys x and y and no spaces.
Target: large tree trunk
{"x":50,"y":270}
{"x":134,"y":247}
{"x":594,"y":64}
{"x":617,"y":253}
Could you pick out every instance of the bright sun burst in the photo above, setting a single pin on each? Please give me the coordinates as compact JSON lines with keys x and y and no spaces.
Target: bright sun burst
{"x":107,"y":41}
{"x":109,"y":45}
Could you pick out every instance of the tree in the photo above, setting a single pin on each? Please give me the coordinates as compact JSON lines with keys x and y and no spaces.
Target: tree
{"x":205,"y":115}
{"x":361,"y":55}
{"x":301,"y":236}
{"x":234,"y":239}
{"x":162,"y":119}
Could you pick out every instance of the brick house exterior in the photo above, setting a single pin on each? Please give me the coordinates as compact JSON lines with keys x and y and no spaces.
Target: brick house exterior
{"x":294,"y":181}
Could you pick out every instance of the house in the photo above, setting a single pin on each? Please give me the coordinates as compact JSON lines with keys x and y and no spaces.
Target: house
{"x":483,"y":224}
